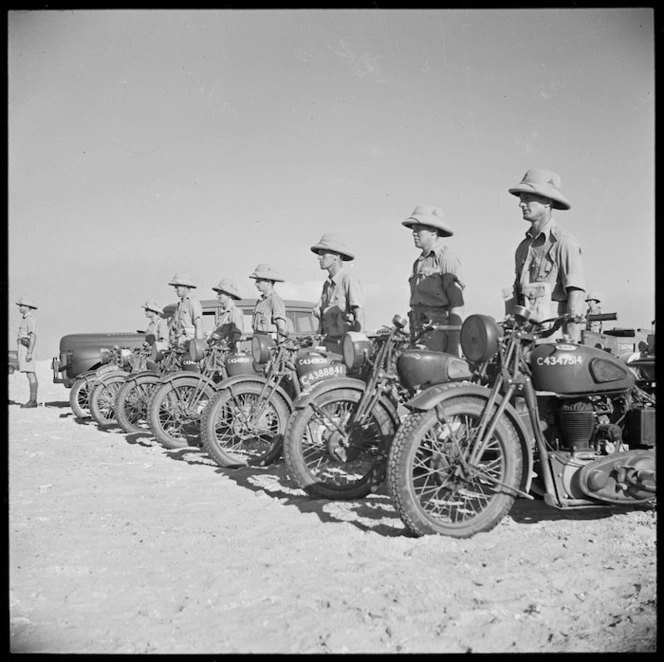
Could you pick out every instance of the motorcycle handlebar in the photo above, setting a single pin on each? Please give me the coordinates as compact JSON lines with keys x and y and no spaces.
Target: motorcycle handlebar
{"x":602,"y":317}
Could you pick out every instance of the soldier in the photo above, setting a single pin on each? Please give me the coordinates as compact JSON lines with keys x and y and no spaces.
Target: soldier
{"x":593,"y":300}
{"x":269,"y":314}
{"x":230,"y":321}
{"x":187,"y":322}
{"x":548,"y":256}
{"x":341,"y":306}
{"x":158,"y":326}
{"x":27,"y":339}
{"x":436,"y":283}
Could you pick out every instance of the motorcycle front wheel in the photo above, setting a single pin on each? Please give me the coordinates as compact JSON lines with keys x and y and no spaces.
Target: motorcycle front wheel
{"x":241,"y":427}
{"x":103,"y":395}
{"x":331,"y":458}
{"x":433,"y":492}
{"x":175,"y":409}
{"x":79,"y":395}
{"x":131,"y":404}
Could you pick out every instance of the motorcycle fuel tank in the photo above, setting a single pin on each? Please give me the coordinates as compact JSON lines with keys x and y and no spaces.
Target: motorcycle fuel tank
{"x":312,"y":366}
{"x":420,"y":368}
{"x":240,"y":364}
{"x":570,"y":369}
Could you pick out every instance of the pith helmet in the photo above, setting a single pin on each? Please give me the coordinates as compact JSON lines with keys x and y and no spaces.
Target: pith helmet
{"x":152,"y":305}
{"x":182,"y":279}
{"x":227,"y":286}
{"x":266,"y":272}
{"x":333,"y":242}
{"x":26,"y":301}
{"x":593,"y":295}
{"x":430,"y":216}
{"x":542,"y":182}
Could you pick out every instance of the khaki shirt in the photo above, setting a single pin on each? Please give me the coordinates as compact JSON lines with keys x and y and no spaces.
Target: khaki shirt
{"x":341,"y":293}
{"x":433,"y":276}
{"x":187,"y":311}
{"x":230,"y":322}
{"x":159,"y":329}
{"x":267,"y":311}
{"x":554,"y":257}
{"x":27,"y":326}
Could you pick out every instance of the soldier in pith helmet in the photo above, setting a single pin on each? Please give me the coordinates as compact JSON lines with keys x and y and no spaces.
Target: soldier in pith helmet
{"x":157,"y":330}
{"x":230,"y":321}
{"x":269,"y":316}
{"x":26,"y":340}
{"x":341,"y":306}
{"x":187,"y":322}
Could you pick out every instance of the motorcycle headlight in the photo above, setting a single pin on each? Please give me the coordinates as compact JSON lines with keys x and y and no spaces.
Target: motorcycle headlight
{"x":355,"y":348}
{"x":105,"y":355}
{"x":126,"y":357}
{"x":196,"y":349}
{"x":260,"y":348}
{"x":480,"y":336}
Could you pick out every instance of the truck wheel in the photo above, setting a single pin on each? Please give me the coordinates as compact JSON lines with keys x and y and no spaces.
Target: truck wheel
{"x":103,"y":395}
{"x":175,"y":410}
{"x":131,"y":404}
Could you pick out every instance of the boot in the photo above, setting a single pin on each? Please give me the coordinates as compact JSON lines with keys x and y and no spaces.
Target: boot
{"x":32,"y":402}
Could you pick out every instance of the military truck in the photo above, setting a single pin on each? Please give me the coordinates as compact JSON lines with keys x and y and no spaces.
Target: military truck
{"x":83,"y":351}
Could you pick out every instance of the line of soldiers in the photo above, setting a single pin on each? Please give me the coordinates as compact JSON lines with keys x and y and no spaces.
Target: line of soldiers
{"x":549,"y":280}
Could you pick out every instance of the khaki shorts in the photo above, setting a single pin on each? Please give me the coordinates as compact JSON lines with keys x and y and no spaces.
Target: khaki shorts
{"x":23,"y":364}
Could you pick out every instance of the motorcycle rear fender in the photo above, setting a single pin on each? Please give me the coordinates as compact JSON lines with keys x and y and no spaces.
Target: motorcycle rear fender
{"x":256,"y":379}
{"x":167,"y":379}
{"x":143,"y":373}
{"x":436,"y":395}
{"x":338,"y":383}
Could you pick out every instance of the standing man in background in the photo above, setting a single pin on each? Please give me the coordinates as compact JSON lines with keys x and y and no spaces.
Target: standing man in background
{"x":436,"y":283}
{"x":187,"y":320}
{"x":549,"y":257}
{"x":158,"y":326}
{"x":341,"y":306}
{"x":593,"y":300}
{"x":230,"y":321}
{"x":269,"y":315}
{"x":27,"y":339}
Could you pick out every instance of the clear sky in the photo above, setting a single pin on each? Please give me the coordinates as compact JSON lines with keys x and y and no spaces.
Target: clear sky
{"x":145,"y":143}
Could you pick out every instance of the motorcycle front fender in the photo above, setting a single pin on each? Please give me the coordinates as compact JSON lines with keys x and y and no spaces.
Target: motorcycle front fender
{"x":442,"y":393}
{"x":336,"y":383}
{"x":256,"y":379}
{"x":176,"y":376}
{"x":143,"y":373}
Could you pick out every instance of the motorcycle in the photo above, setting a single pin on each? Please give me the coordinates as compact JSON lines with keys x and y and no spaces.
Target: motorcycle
{"x":245,"y":421}
{"x":133,"y":397}
{"x":179,"y":399}
{"x":103,"y":392}
{"x":81,"y":390}
{"x":565,"y":421}
{"x":338,"y":437}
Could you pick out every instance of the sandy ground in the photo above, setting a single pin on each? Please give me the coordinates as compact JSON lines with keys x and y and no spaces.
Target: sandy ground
{"x":119,"y":546}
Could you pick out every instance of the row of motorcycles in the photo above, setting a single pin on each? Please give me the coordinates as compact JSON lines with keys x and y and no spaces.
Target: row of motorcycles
{"x":456,"y":439}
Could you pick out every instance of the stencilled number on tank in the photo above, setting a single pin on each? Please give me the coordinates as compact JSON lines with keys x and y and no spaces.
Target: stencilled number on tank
{"x":561,"y":359}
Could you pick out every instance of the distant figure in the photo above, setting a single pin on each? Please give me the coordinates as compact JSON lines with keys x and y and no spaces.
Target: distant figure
{"x":269,"y":316}
{"x":341,"y":305}
{"x":548,"y":267}
{"x":593,"y":300}
{"x":187,"y":322}
{"x":436,"y":283}
{"x":230,"y":322}
{"x":27,"y":339}
{"x":157,"y":330}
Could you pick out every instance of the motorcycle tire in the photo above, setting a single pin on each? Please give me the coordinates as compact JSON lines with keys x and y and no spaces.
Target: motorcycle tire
{"x":103,"y":394}
{"x":175,"y":409}
{"x":425,"y":478}
{"x":234,"y":436}
{"x":131,"y":404}
{"x":312,"y":440}
{"x":79,"y":395}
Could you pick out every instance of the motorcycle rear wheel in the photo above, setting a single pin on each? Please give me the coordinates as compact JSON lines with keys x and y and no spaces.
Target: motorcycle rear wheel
{"x":175,"y":410}
{"x":239,"y":428}
{"x":427,"y":485}
{"x":312,"y":439}
{"x":103,"y":395}
{"x":131,"y":404}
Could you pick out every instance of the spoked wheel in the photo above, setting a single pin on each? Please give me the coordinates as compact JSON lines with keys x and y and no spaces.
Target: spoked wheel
{"x":79,"y":395}
{"x":175,"y":409}
{"x":131,"y":404}
{"x":434,"y":489}
{"x":103,"y":395}
{"x":243,"y":427}
{"x":330,"y":457}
